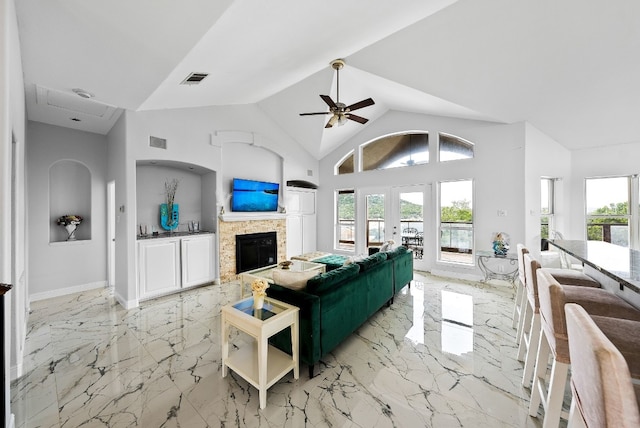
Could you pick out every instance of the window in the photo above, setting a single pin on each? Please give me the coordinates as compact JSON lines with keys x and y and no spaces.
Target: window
{"x":454,"y":148}
{"x":395,"y":151}
{"x":375,"y":219}
{"x":607,"y":209}
{"x":345,"y":213}
{"x":347,"y":166}
{"x":456,"y":221}
{"x":546,"y":207}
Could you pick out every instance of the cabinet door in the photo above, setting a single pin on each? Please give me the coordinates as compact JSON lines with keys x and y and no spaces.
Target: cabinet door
{"x":294,"y":236}
{"x":197,"y":260}
{"x":309,"y":233}
{"x":159,"y":267}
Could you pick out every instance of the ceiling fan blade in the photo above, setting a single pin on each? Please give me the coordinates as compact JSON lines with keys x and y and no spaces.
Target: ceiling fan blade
{"x":360,"y":104}
{"x":313,"y":114}
{"x":327,"y":99}
{"x":358,"y":119}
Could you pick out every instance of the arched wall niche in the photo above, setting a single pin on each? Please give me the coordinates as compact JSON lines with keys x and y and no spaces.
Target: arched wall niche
{"x":69,"y":194}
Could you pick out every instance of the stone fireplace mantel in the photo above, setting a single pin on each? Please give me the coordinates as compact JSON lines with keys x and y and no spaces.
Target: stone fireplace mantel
{"x":252,"y":216}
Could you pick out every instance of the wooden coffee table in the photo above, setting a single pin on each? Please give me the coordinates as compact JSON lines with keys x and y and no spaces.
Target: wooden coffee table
{"x":260,"y":364}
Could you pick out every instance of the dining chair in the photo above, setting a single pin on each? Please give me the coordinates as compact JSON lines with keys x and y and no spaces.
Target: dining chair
{"x":553,"y":339}
{"x":528,"y":344}
{"x":602,"y":390}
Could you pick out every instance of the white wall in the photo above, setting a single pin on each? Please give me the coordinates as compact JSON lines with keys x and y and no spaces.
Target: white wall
{"x":616,"y":160}
{"x":61,"y":267}
{"x":496,"y":170}
{"x":150,"y":181}
{"x":13,"y":260}
{"x":544,"y":157}
{"x":191,"y":139}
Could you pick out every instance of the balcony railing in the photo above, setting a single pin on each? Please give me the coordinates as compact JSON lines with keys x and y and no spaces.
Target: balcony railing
{"x":614,"y":233}
{"x":455,"y":237}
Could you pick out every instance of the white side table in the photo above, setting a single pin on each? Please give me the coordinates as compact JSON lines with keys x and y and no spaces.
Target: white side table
{"x":260,"y":364}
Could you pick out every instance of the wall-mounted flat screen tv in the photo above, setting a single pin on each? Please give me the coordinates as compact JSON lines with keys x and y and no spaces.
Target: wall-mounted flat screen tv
{"x":251,"y":196}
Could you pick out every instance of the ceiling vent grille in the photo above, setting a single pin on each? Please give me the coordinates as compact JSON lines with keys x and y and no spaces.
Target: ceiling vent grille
{"x":160,"y":143}
{"x":194,"y":78}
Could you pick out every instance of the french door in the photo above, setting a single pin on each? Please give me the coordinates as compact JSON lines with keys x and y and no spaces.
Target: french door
{"x":393,"y":213}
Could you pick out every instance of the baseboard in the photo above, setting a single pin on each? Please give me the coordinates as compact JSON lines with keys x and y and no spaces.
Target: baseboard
{"x":15,"y":371}
{"x":127,"y":304}
{"x":67,"y":290}
{"x":456,"y":275}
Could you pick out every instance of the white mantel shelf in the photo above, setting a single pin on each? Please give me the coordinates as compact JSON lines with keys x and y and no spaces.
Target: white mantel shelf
{"x":252,"y":216}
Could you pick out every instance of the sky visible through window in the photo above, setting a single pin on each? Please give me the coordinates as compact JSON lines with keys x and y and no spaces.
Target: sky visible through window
{"x":602,"y":192}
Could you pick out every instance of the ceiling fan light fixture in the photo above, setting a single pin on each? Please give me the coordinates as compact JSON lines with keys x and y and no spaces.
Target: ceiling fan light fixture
{"x":332,"y":121}
{"x":342,"y":119}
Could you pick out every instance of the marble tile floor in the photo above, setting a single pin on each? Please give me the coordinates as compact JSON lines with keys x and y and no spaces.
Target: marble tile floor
{"x":443,"y":355}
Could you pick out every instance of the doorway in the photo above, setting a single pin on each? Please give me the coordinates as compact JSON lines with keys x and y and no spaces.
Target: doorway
{"x":111,"y":233}
{"x":396,"y":213}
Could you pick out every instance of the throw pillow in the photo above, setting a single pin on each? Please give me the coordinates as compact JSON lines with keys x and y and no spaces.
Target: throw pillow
{"x":292,"y":279}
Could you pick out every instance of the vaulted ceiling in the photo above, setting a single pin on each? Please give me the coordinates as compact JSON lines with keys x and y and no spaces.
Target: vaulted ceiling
{"x":570,"y":68}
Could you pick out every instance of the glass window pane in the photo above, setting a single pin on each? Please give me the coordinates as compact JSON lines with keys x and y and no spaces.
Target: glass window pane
{"x":395,"y":151}
{"x":456,"y":221}
{"x":347,"y":166}
{"x":375,"y":220}
{"x":607,"y":207}
{"x":411,"y":221}
{"x":346,"y":219}
{"x":545,"y":196}
{"x":606,"y":196}
{"x":454,"y":148}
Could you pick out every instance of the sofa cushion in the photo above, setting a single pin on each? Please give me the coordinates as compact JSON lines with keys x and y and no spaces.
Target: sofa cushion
{"x":295,"y":280}
{"x":325,"y":281}
{"x":332,"y":261}
{"x":371,"y":261}
{"x":396,"y":252}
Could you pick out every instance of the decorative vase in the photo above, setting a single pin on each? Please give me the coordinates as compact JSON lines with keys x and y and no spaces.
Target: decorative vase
{"x":258,"y":300}
{"x":71,"y":231}
{"x":169,"y":221}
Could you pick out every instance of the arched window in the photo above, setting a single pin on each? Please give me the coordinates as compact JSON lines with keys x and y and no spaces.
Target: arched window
{"x":454,"y":148}
{"x":395,"y":151}
{"x":347,"y":166}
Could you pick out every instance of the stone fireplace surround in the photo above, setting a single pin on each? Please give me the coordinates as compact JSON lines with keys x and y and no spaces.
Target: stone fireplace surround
{"x":227,"y":235}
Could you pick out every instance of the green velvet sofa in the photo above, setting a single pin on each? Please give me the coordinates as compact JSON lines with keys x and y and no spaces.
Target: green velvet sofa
{"x":336,"y":303}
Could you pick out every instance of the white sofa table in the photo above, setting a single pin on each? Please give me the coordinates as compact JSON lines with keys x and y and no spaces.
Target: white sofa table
{"x":260,"y":364}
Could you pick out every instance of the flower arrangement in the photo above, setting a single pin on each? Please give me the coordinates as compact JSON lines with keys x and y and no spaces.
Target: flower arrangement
{"x":69,"y":219}
{"x":500,"y":244}
{"x":259,"y":287}
{"x":170,"y":189}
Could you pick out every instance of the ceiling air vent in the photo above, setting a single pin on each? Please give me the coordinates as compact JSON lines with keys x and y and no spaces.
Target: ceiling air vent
{"x":194,"y":78}
{"x":160,"y":143}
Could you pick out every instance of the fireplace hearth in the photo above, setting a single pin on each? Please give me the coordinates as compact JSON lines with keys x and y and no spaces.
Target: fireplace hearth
{"x":256,"y":250}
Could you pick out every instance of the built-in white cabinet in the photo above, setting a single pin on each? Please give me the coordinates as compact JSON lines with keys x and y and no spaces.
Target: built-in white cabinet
{"x":301,"y":221}
{"x":197,"y":260}
{"x":167,"y":265}
{"x":158,"y":267}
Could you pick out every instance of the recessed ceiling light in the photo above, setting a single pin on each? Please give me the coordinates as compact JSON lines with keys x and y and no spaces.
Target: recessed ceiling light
{"x":83,"y":93}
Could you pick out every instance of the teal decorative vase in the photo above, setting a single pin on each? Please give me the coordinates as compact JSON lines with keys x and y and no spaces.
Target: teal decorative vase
{"x":169,"y":221}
